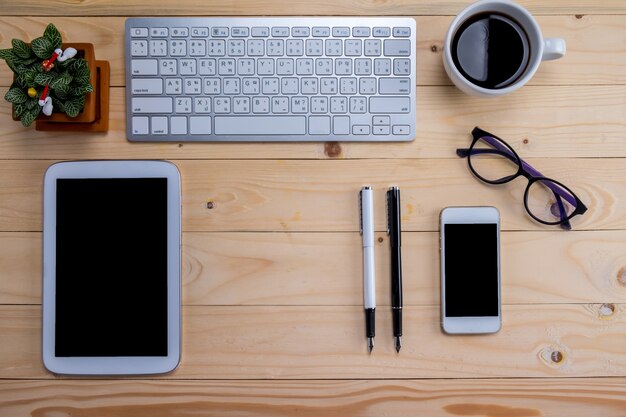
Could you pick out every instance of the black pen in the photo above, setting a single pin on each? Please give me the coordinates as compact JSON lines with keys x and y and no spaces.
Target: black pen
{"x":394,"y":231}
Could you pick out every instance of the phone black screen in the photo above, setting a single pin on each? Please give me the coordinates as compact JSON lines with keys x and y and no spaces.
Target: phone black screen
{"x":111,"y":267}
{"x":471,"y":268}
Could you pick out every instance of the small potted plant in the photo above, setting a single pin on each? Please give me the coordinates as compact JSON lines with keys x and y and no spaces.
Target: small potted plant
{"x":51,"y":82}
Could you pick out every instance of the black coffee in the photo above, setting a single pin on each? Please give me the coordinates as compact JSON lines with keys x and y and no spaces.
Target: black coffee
{"x":491,"y":50}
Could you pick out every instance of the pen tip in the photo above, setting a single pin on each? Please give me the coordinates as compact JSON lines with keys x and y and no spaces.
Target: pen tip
{"x":398,"y":344}
{"x":370,"y":344}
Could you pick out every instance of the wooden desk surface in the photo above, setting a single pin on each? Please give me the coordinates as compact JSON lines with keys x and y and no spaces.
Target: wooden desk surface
{"x":272,"y":283}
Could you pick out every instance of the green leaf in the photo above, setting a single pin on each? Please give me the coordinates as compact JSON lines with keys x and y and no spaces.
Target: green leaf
{"x":20,"y":80}
{"x":30,"y":61}
{"x":29,"y":76}
{"x":83,"y":89}
{"x":32,"y":102}
{"x":73,"y":107}
{"x":16,"y":96}
{"x":7,"y":54}
{"x":52,"y":34}
{"x":20,"y":109}
{"x":11,"y":64}
{"x":43,"y":48}
{"x":21,"y":49}
{"x":44,"y":78}
{"x":62,"y":92}
{"x":77,"y":64}
{"x":63,"y":79}
{"x":29,"y":117}
{"x":58,"y":105}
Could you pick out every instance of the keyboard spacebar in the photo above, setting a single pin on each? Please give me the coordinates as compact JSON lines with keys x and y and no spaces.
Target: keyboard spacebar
{"x":260,"y":125}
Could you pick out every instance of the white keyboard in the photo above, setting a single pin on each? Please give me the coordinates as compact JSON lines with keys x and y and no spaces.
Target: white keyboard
{"x":270,"y":79}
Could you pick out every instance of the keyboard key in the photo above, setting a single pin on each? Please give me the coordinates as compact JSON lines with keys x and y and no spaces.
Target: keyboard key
{"x":300,"y":32}
{"x":200,"y":125}
{"x":341,"y":125}
{"x":151,"y":104}
{"x":158,"y":48}
{"x":256,"y":47}
{"x":178,"y":125}
{"x":381,"y":32}
{"x":240,"y":32}
{"x":241,"y":105}
{"x":319,"y":125}
{"x":390,"y":105}
{"x":260,"y":32}
{"x":380,"y":130}
{"x":402,"y":32}
{"x":139,"y":48}
{"x":158,"y":125}
{"x":360,"y":32}
{"x":295,"y":47}
{"x":200,"y":32}
{"x":219,"y":32}
{"x":401,"y":66}
{"x":144,"y":67}
{"x":361,"y":130}
{"x":147,"y":86}
{"x":180,"y":32}
{"x":381,"y":120}
{"x":159,"y":32}
{"x":394,"y":85}
{"x":372,"y":47}
{"x":322,"y":32}
{"x":280,"y":32}
{"x":397,"y":47}
{"x":260,"y":125}
{"x":401,"y":129}
{"x":139,"y":32}
{"x":341,"y":32}
{"x":382,"y":66}
{"x":353,"y":47}
{"x":140,"y":125}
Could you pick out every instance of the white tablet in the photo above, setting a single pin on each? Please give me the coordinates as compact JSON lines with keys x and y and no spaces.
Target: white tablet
{"x":111,"y":268}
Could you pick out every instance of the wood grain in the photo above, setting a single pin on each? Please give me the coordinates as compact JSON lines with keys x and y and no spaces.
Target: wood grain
{"x":550,"y":397}
{"x":289,"y":342}
{"x":558,"y":122}
{"x":595,"y":53}
{"x":307,"y":269}
{"x":286,"y":7}
{"x":322,"y":195}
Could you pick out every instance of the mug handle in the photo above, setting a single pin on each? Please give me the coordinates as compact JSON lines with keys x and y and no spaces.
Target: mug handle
{"x":553,"y":48}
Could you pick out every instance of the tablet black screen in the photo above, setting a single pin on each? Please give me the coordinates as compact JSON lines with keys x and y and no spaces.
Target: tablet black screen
{"x":111,"y":267}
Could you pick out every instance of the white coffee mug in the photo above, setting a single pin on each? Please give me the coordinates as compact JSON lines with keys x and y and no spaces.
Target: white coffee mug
{"x":540,"y":49}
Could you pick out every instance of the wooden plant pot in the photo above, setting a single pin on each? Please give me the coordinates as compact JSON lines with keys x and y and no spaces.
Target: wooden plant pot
{"x":92,"y":117}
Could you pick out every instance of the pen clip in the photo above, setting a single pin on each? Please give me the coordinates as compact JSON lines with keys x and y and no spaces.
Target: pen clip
{"x":361,"y":212}
{"x":388,"y":206}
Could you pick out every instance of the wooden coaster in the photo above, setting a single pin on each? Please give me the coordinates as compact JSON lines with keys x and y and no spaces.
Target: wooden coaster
{"x":101,"y":124}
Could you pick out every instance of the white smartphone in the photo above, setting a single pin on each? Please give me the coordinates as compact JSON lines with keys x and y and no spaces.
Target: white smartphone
{"x":470,"y":270}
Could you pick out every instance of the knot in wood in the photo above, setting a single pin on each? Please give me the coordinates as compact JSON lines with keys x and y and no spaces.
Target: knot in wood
{"x":332,"y":149}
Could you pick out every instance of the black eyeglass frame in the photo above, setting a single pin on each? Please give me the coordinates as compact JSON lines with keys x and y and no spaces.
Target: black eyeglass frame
{"x":502,"y":148}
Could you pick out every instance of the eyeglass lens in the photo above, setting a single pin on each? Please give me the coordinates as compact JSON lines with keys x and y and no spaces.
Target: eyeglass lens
{"x":549,"y":202}
{"x":493,"y":160}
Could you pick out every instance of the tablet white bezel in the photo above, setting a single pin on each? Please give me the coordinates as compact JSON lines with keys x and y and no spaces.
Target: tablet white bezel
{"x":118,"y":365}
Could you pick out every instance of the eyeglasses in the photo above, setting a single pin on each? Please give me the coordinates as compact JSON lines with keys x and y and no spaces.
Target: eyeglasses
{"x":493,"y":161}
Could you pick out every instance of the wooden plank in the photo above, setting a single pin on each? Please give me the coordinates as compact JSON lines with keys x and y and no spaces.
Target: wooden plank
{"x":322,"y":195}
{"x":595,"y":54}
{"x":286,"y":7}
{"x":285,"y":342}
{"x":588,"y":121}
{"x":325,"y":268}
{"x":574,"y":397}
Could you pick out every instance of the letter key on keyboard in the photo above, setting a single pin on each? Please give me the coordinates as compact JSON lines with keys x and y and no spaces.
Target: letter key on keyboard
{"x":270,"y":79}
